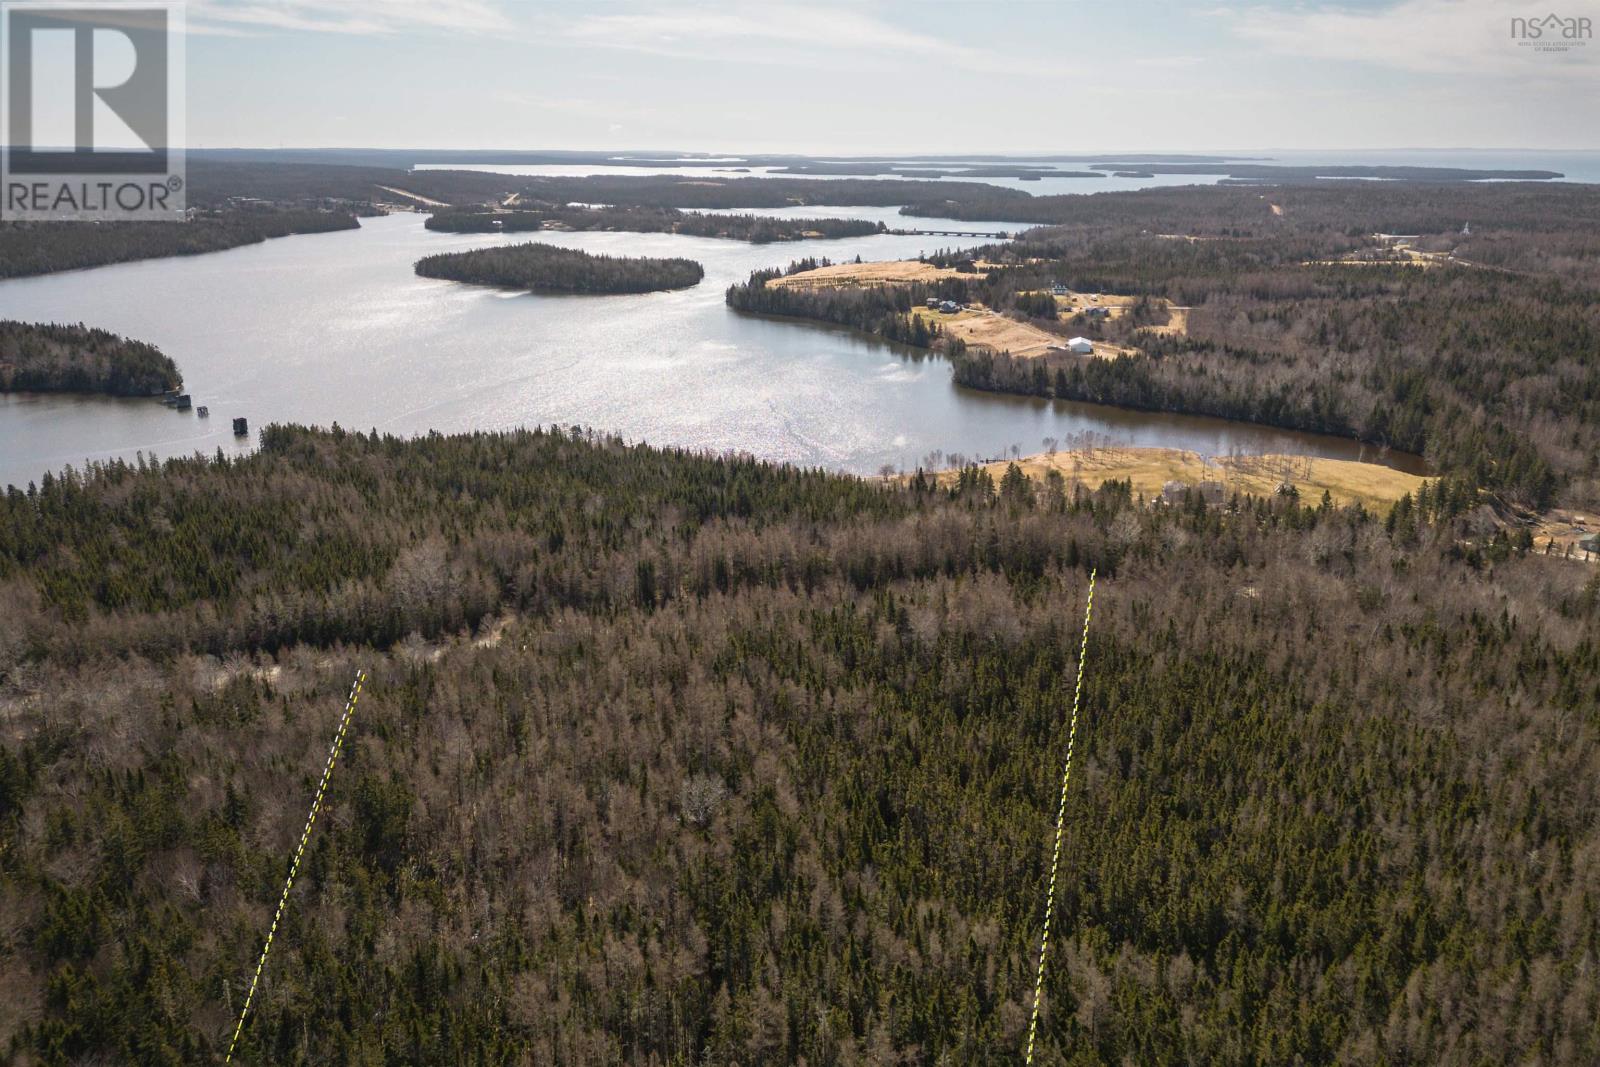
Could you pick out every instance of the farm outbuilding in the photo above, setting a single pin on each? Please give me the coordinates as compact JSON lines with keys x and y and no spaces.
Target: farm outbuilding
{"x":1080,"y":346}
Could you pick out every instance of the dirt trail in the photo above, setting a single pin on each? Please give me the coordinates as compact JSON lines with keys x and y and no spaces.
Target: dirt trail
{"x":413,"y":196}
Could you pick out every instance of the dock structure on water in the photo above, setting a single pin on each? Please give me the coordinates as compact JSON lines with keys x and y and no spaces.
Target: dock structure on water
{"x":998,"y":235}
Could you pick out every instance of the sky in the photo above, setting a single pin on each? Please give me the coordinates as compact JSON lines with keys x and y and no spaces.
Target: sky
{"x":861,"y":77}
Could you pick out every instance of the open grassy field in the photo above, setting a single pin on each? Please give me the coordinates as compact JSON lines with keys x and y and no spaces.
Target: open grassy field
{"x":879,"y":273}
{"x":980,"y":326}
{"x":1149,"y":469}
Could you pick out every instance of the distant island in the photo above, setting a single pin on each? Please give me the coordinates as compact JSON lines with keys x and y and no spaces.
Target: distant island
{"x":546,"y":268}
{"x":47,"y":358}
{"x":639,"y":218}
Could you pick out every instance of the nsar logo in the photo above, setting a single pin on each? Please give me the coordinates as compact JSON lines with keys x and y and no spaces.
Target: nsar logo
{"x":1553,"y":33}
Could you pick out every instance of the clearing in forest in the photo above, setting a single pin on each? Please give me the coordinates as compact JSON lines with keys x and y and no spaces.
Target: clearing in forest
{"x":886,"y":272}
{"x":1347,"y":481}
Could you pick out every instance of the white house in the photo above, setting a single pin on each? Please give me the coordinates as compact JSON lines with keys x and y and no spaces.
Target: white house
{"x":1080,"y":346}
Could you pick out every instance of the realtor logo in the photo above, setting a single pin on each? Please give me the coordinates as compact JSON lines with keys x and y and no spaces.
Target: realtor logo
{"x":1552,"y":33}
{"x":92,"y":110}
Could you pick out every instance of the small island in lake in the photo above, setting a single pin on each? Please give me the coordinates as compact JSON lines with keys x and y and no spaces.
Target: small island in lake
{"x":546,"y":268}
{"x":47,"y":358}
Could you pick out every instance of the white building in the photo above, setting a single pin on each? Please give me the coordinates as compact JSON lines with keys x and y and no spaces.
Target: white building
{"x":1080,"y":346}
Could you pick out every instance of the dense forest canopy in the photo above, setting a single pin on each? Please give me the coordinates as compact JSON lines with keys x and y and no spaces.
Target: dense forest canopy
{"x":546,"y":268}
{"x":49,"y":358}
{"x":674,"y":759}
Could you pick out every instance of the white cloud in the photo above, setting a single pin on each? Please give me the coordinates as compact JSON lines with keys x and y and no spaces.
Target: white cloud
{"x":1469,"y":38}
{"x":775,"y":33}
{"x":1169,"y":62}
{"x":365,"y":17}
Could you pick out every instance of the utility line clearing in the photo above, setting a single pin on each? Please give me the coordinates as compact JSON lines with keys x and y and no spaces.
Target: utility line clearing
{"x":1061,"y":818}
{"x":299,"y":851}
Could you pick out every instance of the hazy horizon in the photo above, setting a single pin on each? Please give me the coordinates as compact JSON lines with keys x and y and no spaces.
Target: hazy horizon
{"x":886,"y":78}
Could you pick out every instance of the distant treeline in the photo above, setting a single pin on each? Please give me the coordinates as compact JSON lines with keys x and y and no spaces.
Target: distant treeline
{"x":1355,"y":209}
{"x":905,"y":171}
{"x":643,"y":219}
{"x":46,"y":358}
{"x":546,"y":268}
{"x":667,"y":190}
{"x":44,"y":247}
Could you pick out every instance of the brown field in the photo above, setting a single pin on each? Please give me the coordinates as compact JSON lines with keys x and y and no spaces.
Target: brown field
{"x":1117,"y":306}
{"x":1177,"y":324}
{"x":886,"y":272}
{"x":1394,"y":257}
{"x":980,"y":326}
{"x":1347,"y":481}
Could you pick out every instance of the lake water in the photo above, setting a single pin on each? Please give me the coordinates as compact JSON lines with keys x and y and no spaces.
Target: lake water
{"x":337,"y":328}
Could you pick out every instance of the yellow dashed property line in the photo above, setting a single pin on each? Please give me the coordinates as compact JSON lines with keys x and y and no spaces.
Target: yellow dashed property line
{"x":299,"y":851}
{"x":1061,"y":818}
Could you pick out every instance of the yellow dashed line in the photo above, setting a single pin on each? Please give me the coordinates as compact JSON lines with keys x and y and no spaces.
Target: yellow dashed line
{"x":299,"y":851}
{"x":1061,"y":819}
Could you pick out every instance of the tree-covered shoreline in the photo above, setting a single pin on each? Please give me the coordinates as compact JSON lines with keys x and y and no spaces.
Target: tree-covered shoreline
{"x":547,"y":268}
{"x":641,"y":219}
{"x":51,"y":358}
{"x":28,"y":249}
{"x":1474,"y":349}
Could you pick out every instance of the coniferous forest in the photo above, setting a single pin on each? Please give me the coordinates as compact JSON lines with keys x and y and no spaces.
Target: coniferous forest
{"x":42,"y":248}
{"x":674,"y":759}
{"x":39,"y":357}
{"x":642,"y":219}
{"x":546,"y":268}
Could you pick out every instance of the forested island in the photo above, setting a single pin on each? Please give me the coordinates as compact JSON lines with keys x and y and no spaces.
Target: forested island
{"x":47,"y":358}
{"x":736,"y":762}
{"x":546,"y":268}
{"x":644,"y":219}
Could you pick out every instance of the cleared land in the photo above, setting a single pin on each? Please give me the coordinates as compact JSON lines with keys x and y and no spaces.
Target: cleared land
{"x":980,"y":326}
{"x":1562,"y":531}
{"x":1150,"y":469}
{"x":414,"y":197}
{"x":1075,"y":303}
{"x":1177,"y":324}
{"x":976,"y":324}
{"x":887,"y":272}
